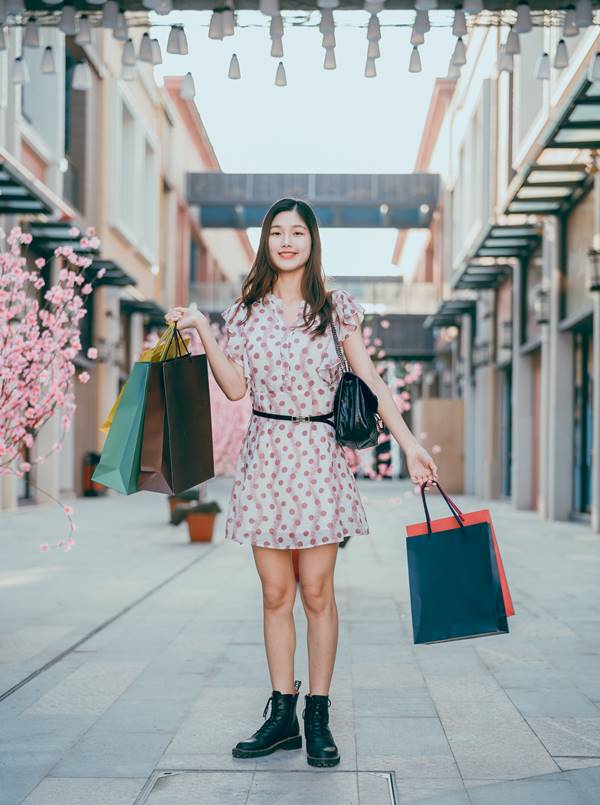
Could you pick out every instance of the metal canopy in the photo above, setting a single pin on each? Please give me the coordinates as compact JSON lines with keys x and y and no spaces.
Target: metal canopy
{"x":240,"y":200}
{"x":449,"y":312}
{"x":21,"y":192}
{"x":50,"y":235}
{"x":550,"y":186}
{"x":114,"y":275}
{"x":485,"y":267}
{"x":145,"y":306}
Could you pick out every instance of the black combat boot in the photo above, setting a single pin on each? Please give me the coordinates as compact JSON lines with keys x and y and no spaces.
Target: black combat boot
{"x":280,"y":731}
{"x":320,"y":746}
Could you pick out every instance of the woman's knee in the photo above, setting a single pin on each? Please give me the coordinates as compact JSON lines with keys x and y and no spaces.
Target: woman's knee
{"x":279,"y":597}
{"x":317,"y":596}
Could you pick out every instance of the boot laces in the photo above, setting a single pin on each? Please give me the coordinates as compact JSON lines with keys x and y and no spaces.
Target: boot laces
{"x":317,"y":721}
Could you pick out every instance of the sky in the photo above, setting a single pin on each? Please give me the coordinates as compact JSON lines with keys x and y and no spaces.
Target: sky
{"x":323,"y":121}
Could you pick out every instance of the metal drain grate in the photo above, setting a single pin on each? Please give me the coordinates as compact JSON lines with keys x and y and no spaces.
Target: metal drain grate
{"x":229,"y":786}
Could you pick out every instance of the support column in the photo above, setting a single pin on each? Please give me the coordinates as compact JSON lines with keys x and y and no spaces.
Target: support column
{"x":596,"y":375}
{"x":522,"y":415}
{"x":557,"y":422}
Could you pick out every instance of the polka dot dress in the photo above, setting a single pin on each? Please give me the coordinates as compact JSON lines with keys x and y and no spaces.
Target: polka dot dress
{"x":292,"y":486}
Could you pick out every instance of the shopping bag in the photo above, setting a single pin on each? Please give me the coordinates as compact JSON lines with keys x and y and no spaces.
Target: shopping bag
{"x":164,"y":348}
{"x":455,"y":589}
{"x":119,"y":463}
{"x":177,"y":444}
{"x":469,"y":518}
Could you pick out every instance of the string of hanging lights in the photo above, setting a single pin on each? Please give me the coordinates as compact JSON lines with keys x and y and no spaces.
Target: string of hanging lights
{"x":223,"y":23}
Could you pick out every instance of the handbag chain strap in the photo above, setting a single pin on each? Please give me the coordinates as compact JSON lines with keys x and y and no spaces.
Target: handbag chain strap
{"x":338,"y":349}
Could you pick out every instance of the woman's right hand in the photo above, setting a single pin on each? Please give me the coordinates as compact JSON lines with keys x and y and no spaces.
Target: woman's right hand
{"x":185,"y":317}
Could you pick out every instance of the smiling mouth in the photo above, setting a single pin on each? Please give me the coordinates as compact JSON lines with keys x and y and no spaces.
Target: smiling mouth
{"x":287,"y":254}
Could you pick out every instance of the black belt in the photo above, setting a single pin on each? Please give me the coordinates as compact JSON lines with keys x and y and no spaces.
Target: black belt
{"x":314,"y":418}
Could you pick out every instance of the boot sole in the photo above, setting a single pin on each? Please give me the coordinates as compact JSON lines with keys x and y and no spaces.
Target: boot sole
{"x":295,"y":742}
{"x":322,"y":761}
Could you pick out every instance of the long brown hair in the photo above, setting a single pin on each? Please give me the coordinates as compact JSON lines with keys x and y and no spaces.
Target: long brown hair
{"x":262,"y":275}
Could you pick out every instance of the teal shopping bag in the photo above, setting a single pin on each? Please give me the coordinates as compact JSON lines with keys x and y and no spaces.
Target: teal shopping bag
{"x":119,"y":464}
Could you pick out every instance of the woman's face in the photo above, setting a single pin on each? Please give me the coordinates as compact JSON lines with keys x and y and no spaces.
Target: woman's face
{"x":289,"y":241}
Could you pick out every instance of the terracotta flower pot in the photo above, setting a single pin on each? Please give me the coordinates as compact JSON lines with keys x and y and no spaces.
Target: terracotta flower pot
{"x":175,"y":501}
{"x":200,"y":526}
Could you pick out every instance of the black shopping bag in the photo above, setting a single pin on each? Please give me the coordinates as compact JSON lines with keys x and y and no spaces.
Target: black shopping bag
{"x":177,"y":445}
{"x":455,"y":589}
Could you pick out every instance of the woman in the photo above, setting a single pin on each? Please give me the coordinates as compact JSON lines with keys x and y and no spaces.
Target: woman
{"x":293,"y":488}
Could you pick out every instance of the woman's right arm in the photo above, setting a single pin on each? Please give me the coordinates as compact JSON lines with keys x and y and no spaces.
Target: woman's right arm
{"x":228,"y":373}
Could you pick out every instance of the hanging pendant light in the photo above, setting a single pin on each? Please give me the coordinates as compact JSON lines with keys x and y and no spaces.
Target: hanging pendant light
{"x":163,"y":7}
{"x":425,"y":5}
{"x":84,"y":34}
{"x":328,"y":40}
{"x":458,"y":56}
{"x":280,"y":79}
{"x":187,"y":90}
{"x":20,"y":71}
{"x":96,"y":2}
{"x":414,"y":64}
{"x":276,"y":25}
{"x":374,"y":6}
{"x":47,"y":64}
{"x":31,"y":35}
{"x":370,"y":69}
{"x":561,"y":57}
{"x":82,"y":77}
{"x":145,"y":51}
{"x":594,"y":69}
{"x":121,"y":31}
{"x":277,"y":47}
{"x":421,"y":23}
{"x":583,"y":14}
{"x":328,"y":3}
{"x":542,"y":68}
{"x":110,"y":14}
{"x":373,"y":51}
{"x":523,"y":23}
{"x":177,"y":42}
{"x":2,"y":39}
{"x":68,"y":22}
{"x":156,"y":52}
{"x":513,"y":44}
{"x":505,"y":60}
{"x":16,"y":8}
{"x":570,"y":27}
{"x":128,"y":54}
{"x":228,"y":22}
{"x":453,"y":72}
{"x":472,"y":6}
{"x":234,"y":68}
{"x":459,"y":26}
{"x":329,"y":61}
{"x":416,"y":37}
{"x":215,"y":27}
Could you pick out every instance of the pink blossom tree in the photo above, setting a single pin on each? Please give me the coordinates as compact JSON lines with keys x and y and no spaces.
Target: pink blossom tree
{"x":39,"y":340}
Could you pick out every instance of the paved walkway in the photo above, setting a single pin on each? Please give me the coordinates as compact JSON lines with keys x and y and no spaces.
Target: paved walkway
{"x":133,"y":663}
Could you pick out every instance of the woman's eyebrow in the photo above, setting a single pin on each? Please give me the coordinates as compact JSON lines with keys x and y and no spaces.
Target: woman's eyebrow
{"x":296,"y":226}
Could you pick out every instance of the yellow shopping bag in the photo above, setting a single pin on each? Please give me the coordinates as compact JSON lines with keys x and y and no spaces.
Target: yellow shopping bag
{"x":165,"y":348}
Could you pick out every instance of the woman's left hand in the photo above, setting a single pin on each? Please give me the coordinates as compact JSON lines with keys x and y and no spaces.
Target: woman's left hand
{"x":421,"y":467}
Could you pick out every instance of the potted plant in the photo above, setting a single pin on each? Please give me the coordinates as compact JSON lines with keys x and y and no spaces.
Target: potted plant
{"x":200,"y":518}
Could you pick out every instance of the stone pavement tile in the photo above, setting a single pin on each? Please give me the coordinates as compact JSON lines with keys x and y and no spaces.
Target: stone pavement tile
{"x":551,"y":789}
{"x":93,"y":791}
{"x":544,"y":701}
{"x":205,"y":761}
{"x":374,"y":788}
{"x":587,"y":784}
{"x":568,"y":736}
{"x":431,"y":792}
{"x":90,"y":689}
{"x":302,"y":787}
{"x":42,"y":733}
{"x":203,"y":788}
{"x":401,"y":737}
{"x":567,"y":763}
{"x":150,"y":685}
{"x":375,"y":631}
{"x":588,"y":683}
{"x":395,"y":702}
{"x":135,"y":715}
{"x":20,"y":772}
{"x":113,"y":754}
{"x":424,"y":767}
{"x":488,"y":735}
{"x":382,"y":675}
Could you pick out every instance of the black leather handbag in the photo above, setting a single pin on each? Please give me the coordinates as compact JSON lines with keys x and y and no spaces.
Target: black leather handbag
{"x":357,"y":423}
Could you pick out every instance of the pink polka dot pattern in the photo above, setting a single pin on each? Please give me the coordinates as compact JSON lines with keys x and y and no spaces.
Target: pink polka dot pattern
{"x":292,"y":486}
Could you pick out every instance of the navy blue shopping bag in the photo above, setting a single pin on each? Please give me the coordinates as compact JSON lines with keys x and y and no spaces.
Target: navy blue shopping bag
{"x":455,"y":589}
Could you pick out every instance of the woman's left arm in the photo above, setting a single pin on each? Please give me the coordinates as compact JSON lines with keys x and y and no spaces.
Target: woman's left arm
{"x":420,"y":465}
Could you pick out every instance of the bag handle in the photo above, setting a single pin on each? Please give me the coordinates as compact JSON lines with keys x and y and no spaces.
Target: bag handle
{"x":175,"y":333}
{"x":453,"y":507}
{"x":338,"y":349}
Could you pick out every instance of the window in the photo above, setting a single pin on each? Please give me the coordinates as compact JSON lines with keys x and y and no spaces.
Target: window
{"x":127,"y":204}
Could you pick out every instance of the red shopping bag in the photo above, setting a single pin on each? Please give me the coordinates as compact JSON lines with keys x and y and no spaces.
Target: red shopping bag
{"x":468,"y":518}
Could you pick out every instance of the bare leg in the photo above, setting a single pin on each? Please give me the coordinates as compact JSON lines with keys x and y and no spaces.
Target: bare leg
{"x":316,"y":566}
{"x":279,"y":594}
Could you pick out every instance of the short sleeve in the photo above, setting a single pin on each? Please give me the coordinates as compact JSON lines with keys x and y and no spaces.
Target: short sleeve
{"x":233,"y":343}
{"x":346,"y":310}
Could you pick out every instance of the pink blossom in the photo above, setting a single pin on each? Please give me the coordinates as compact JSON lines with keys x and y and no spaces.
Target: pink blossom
{"x":87,"y":288}
{"x":84,"y":377}
{"x":436,"y":449}
{"x":92,"y":353}
{"x":40,"y":262}
{"x":25,"y":466}
{"x":101,"y":273}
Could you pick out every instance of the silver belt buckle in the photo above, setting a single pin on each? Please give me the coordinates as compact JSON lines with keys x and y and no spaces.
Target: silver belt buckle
{"x":300,"y":418}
